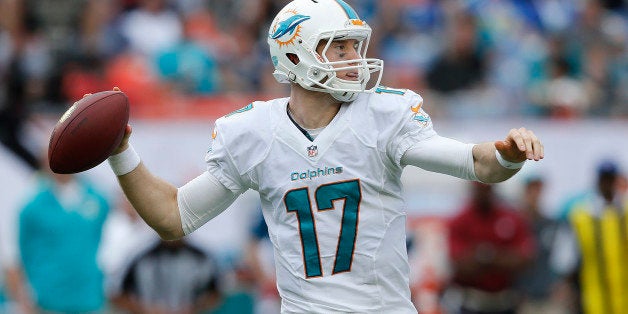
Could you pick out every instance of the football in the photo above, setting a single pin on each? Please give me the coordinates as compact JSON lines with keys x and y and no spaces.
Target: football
{"x":88,"y":132}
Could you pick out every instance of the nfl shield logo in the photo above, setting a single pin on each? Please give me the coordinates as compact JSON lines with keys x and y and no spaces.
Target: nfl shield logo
{"x":312,"y":151}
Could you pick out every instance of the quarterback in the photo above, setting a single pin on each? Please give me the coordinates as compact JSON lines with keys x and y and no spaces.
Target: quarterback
{"x":327,"y":163}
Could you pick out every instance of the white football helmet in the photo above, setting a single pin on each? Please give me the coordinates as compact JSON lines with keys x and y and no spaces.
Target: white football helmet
{"x":300,"y":26}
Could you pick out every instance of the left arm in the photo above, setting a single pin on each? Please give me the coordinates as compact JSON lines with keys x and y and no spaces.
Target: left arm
{"x":475,"y":162}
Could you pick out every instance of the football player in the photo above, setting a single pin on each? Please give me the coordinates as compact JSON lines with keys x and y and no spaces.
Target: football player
{"x":327,"y":164}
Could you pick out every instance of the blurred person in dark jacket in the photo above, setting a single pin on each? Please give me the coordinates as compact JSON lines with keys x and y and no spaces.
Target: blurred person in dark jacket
{"x":23,"y":77}
{"x":540,"y":284}
{"x":461,"y":66}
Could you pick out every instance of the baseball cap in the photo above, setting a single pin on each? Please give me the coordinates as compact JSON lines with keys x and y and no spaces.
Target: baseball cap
{"x":608,"y":168}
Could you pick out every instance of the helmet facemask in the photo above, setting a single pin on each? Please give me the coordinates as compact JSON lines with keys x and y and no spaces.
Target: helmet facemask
{"x":323,"y":74}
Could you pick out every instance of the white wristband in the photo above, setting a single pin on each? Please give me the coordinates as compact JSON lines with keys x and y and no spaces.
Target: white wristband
{"x":508,"y":164}
{"x":124,"y":162}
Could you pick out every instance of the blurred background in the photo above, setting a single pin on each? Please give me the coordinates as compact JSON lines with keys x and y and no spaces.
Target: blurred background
{"x":558,"y":67}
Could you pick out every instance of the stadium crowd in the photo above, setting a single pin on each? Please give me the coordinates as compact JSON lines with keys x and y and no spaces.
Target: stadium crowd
{"x":552,"y":59}
{"x":520,"y":57}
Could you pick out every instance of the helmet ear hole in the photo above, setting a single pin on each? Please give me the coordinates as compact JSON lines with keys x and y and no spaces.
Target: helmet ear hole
{"x":293,"y":58}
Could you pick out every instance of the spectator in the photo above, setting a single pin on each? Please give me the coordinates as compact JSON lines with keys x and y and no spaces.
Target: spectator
{"x":169,"y":277}
{"x":59,"y":236}
{"x":565,"y":95}
{"x":147,"y":29}
{"x":542,"y":291}
{"x":461,"y":66}
{"x":28,"y":67}
{"x":151,"y":27}
{"x":65,"y":30}
{"x":188,"y":66}
{"x":597,"y":80}
{"x":600,"y":239}
{"x":490,"y":245}
{"x":457,"y":77}
{"x":14,"y":180}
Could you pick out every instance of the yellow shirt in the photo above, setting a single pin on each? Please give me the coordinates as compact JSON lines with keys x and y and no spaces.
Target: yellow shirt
{"x":603,"y":242}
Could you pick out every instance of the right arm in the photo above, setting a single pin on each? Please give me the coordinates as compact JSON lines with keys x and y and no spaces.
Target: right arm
{"x":154,"y":199}
{"x":173,"y":212}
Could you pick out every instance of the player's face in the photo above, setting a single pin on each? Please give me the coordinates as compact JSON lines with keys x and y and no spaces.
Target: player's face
{"x":342,"y":50}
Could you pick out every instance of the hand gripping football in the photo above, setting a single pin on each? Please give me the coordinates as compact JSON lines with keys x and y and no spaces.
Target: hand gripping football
{"x":88,"y":132}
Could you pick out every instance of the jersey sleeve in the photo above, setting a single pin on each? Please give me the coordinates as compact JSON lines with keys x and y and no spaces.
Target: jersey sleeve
{"x":202,"y":199}
{"x":442,"y":155}
{"x":221,"y":165}
{"x":413,"y":125}
{"x":240,"y":142}
{"x":417,"y":143}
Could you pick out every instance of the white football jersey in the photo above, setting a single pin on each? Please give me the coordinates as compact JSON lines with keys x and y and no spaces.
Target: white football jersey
{"x":333,"y":206}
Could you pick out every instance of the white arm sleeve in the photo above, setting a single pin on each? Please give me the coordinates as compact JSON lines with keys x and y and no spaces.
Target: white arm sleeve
{"x":442,"y":155}
{"x":202,"y":199}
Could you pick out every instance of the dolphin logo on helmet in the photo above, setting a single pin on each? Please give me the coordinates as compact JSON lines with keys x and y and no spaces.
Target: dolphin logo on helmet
{"x":289,"y":25}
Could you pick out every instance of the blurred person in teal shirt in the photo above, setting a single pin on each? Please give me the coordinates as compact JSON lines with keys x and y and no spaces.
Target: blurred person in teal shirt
{"x":60,"y":229}
{"x":189,"y":66}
